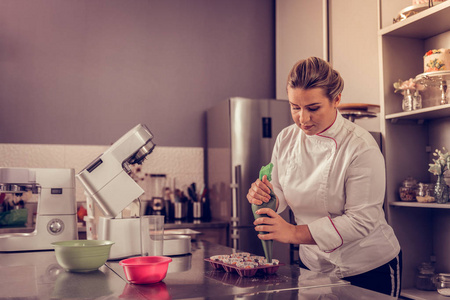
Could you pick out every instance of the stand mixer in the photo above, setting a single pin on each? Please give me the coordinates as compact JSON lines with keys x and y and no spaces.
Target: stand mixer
{"x":56,"y":218}
{"x":107,"y":181}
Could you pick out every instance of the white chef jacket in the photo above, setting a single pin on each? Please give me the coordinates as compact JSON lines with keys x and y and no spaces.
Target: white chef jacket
{"x":334,"y":182}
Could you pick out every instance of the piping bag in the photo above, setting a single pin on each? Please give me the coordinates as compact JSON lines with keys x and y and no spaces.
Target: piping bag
{"x":267,"y":244}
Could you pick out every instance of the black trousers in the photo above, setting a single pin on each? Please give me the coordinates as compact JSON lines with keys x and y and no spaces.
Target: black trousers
{"x":385,"y":279}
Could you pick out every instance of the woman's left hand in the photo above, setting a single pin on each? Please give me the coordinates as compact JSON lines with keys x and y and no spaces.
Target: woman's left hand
{"x":279,"y":230}
{"x":276,"y":227}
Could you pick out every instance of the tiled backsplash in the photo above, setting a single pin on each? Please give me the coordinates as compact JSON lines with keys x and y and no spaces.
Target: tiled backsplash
{"x":181,"y":165}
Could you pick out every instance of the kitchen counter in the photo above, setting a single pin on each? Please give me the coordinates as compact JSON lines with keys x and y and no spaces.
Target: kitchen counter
{"x":37,"y":275}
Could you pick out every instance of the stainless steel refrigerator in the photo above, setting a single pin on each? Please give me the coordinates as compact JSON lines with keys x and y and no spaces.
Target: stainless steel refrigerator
{"x":241,"y":134}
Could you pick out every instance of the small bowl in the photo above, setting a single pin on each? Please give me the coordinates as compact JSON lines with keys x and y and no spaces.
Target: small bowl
{"x":145,"y":269}
{"x":82,"y":255}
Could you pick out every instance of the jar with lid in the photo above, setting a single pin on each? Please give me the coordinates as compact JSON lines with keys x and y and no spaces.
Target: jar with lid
{"x":407,"y":190}
{"x":425,"y":192}
{"x":425,"y":277}
{"x":442,"y":282}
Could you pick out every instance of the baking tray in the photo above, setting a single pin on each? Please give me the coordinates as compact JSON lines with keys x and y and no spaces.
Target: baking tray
{"x":240,"y":281}
{"x":244,"y":272}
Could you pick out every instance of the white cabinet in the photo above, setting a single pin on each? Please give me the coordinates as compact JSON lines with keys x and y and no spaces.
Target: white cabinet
{"x":299,"y":34}
{"x":409,"y":138}
{"x":341,"y":31}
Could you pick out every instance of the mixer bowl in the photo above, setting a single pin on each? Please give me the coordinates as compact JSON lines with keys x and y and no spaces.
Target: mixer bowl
{"x":82,"y":255}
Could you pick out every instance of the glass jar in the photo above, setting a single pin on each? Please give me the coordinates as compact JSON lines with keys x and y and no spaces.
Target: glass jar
{"x":442,"y":282}
{"x":425,"y":192}
{"x":441,"y":190}
{"x":425,"y":277}
{"x":407,"y":190}
{"x":417,"y":100}
{"x":408,"y":100}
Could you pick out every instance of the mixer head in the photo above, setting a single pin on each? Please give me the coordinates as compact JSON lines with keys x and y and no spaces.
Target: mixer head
{"x":142,"y":153}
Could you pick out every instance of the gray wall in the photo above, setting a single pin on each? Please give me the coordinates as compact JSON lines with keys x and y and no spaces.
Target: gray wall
{"x":87,"y":71}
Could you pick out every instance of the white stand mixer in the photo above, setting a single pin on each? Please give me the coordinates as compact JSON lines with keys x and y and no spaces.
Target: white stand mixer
{"x":107,"y":181}
{"x":56,"y":218}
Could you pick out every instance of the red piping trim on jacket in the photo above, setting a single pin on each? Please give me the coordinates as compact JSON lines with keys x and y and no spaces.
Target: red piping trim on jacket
{"x":342,"y":240}
{"x":328,"y":137}
{"x":319,"y":134}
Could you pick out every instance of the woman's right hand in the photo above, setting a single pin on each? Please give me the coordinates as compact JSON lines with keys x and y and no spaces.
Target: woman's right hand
{"x":259,"y":191}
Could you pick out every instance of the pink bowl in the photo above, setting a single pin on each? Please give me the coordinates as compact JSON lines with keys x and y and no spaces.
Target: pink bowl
{"x":145,"y":269}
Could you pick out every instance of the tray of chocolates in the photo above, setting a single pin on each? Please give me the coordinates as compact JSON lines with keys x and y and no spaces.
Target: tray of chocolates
{"x":245,"y":264}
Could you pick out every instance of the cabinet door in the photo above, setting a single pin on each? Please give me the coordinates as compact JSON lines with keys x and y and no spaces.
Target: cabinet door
{"x":299,"y":34}
{"x":354,"y":52}
{"x":341,"y":31}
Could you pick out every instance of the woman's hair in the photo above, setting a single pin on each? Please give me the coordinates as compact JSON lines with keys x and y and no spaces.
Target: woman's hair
{"x":314,"y":72}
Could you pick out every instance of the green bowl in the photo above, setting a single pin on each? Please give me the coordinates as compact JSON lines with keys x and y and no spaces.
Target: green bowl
{"x":82,"y":255}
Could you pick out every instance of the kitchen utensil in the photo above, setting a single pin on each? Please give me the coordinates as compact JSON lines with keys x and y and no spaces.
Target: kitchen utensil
{"x":145,"y":269}
{"x":180,"y":210}
{"x":244,"y":271}
{"x":197,"y":210}
{"x":82,"y":255}
{"x":184,"y":231}
{"x":267,"y":244}
{"x":152,"y":235}
{"x":177,"y":244}
{"x":353,"y":111}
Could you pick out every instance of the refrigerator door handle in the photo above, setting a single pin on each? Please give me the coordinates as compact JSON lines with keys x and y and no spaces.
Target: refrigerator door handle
{"x":236,"y":191}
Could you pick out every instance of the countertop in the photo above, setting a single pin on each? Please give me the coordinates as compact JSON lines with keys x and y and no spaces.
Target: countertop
{"x":37,"y":275}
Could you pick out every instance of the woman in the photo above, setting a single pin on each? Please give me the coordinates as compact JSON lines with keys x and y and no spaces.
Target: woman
{"x":331,"y":174}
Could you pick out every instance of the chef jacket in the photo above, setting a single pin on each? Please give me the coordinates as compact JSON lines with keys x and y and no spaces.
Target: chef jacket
{"x":334,"y":182}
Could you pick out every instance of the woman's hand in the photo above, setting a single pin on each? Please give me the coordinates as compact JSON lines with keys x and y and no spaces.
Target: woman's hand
{"x":276,"y":227}
{"x":259,"y":191}
{"x":279,"y":230}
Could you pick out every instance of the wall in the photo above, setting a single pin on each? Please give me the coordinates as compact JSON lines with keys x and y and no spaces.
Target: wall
{"x":86,"y":71}
{"x":181,"y":165}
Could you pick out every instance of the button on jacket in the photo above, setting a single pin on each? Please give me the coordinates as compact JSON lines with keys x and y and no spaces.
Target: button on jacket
{"x":334,"y":182}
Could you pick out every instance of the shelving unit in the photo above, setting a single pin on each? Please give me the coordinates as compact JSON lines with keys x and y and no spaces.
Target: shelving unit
{"x":420,"y":205}
{"x":428,"y":113}
{"x":409,"y":138}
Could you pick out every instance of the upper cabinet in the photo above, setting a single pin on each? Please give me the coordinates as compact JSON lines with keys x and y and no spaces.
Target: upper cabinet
{"x":300,"y":33}
{"x":343,"y":32}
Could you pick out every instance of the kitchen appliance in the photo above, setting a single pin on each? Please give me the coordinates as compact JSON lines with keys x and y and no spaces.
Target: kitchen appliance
{"x":241,"y":134}
{"x":156,"y":204}
{"x":54,"y":192}
{"x":108,"y":182}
